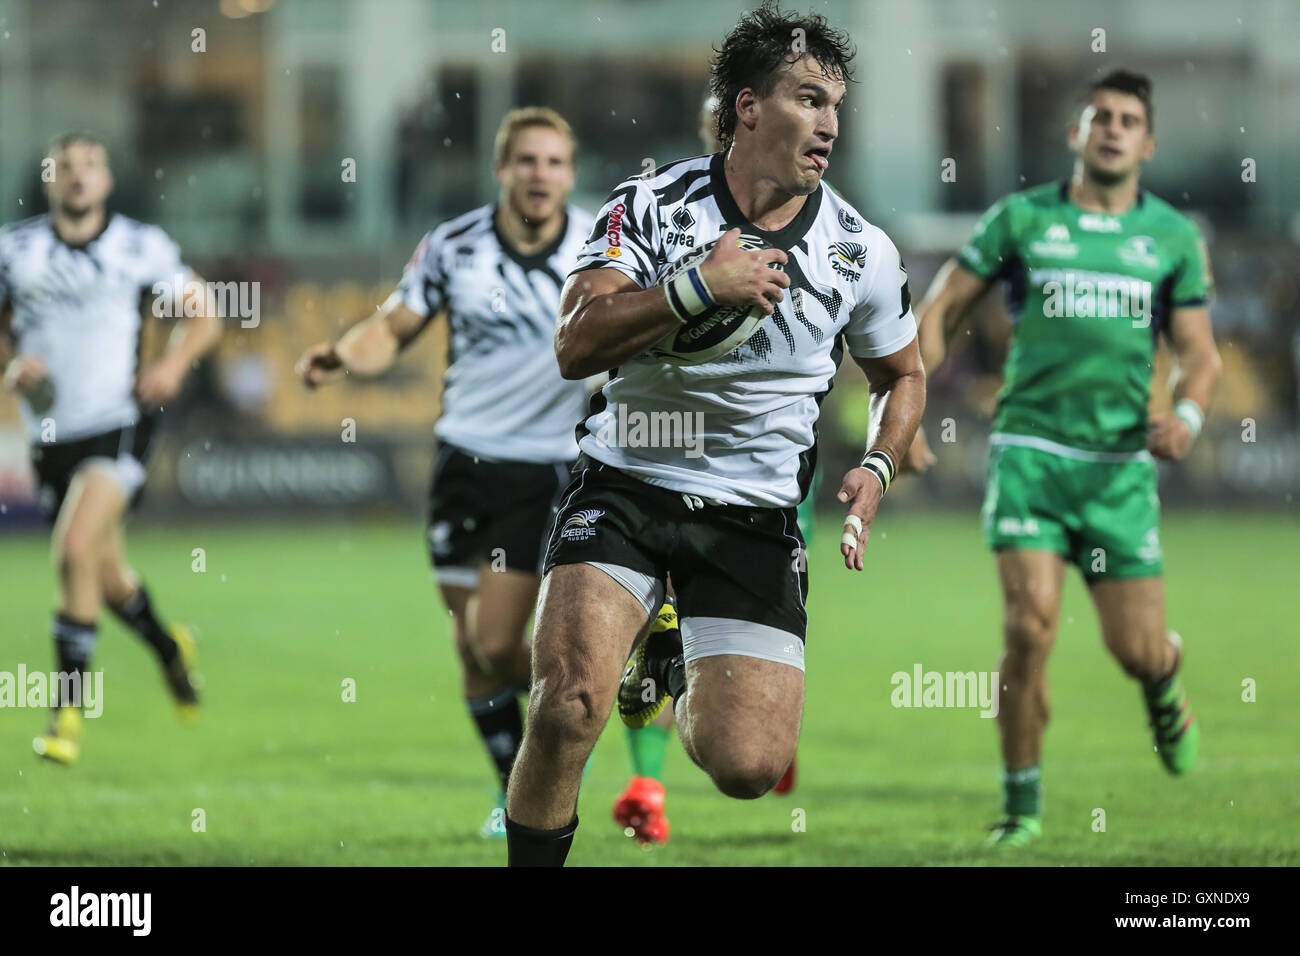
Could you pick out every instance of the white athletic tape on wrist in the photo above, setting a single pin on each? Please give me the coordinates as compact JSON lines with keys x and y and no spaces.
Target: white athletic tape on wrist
{"x":1190,"y":413}
{"x":688,"y":294}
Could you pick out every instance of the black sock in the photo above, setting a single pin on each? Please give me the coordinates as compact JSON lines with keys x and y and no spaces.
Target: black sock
{"x":74,"y":642}
{"x":526,"y":846}
{"x":501,"y":725}
{"x":666,"y":662}
{"x":137,"y":614}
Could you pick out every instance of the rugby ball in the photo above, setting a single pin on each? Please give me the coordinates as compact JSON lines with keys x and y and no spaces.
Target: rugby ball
{"x":717,"y":331}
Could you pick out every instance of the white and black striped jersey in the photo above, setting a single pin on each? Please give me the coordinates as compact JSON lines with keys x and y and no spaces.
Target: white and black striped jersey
{"x":756,"y":407}
{"x":78,"y":308}
{"x":503,"y":397}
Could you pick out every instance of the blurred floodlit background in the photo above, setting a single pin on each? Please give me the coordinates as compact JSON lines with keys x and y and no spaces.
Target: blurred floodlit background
{"x":229,"y":124}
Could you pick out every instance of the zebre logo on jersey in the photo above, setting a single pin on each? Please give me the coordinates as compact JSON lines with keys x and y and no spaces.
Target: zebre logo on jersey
{"x":578,"y":527}
{"x":845,"y":257}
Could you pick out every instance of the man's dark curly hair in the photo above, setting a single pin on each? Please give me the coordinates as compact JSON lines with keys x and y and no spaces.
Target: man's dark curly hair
{"x":1134,"y":84}
{"x":761,"y":45}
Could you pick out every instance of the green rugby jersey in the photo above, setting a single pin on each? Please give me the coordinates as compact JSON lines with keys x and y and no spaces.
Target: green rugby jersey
{"x":1088,"y":294}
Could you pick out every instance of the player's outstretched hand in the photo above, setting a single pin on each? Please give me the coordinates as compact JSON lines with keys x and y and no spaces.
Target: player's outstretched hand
{"x":1168,"y":437}
{"x":24,"y":373}
{"x":919,"y":458}
{"x":316,"y":364}
{"x":739,"y":277}
{"x":861,"y":491}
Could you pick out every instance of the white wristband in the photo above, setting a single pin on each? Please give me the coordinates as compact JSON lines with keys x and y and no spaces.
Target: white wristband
{"x":688,"y":295}
{"x":1190,"y":413}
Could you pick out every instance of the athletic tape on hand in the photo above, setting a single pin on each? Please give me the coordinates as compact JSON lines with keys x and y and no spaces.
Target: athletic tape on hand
{"x":850,"y":538}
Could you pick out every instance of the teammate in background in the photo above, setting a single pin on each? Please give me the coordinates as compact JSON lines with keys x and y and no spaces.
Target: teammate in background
{"x":506,"y":434}
{"x":721,"y":525}
{"x":1098,"y":267}
{"x":73,"y":286}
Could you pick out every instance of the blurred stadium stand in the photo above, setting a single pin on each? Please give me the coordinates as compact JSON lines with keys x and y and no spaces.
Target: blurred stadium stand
{"x":237,"y":152}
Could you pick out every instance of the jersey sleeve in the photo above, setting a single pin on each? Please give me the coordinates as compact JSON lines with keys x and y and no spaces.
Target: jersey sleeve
{"x":1193,"y":281}
{"x":882,"y":322}
{"x":990,"y":245}
{"x":423,"y":286}
{"x":626,"y":235}
{"x":161,"y":262}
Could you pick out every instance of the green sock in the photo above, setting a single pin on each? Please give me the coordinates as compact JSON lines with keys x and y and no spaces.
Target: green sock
{"x":1022,"y":792}
{"x":647,"y":747}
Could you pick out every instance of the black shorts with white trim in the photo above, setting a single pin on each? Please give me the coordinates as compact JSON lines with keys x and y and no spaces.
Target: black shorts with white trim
{"x":726,"y":561}
{"x":483,"y":511}
{"x":56,"y":463}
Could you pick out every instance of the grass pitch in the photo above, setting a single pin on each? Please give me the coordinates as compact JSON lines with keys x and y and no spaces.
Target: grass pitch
{"x":286,"y":772}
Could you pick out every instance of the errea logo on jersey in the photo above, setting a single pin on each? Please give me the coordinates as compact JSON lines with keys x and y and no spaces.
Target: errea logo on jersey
{"x":1055,"y":244}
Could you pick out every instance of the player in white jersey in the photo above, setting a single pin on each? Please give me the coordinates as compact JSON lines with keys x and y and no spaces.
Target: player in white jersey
{"x":73,"y":285}
{"x":714,"y":505}
{"x":506,"y":439}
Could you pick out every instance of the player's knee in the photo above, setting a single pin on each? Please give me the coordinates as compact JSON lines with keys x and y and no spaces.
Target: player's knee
{"x":500,"y":655}
{"x":1028,"y":634}
{"x":747,"y":781}
{"x":75,"y":554}
{"x":1141,"y":661}
{"x":744,"y":773}
{"x":562,"y":712}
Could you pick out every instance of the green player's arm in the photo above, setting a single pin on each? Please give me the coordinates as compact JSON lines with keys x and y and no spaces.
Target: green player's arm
{"x":368,"y":348}
{"x":1170,"y":436}
{"x":951,"y":294}
{"x":1199,"y":365}
{"x":606,"y":319}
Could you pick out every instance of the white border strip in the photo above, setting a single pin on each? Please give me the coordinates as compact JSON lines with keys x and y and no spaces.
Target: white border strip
{"x":1065,"y":451}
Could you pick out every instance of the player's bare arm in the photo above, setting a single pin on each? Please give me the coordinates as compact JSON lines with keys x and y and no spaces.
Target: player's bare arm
{"x":369,"y":348}
{"x":945,"y":306}
{"x":22,"y":373}
{"x":897,"y":403}
{"x":605,"y":319}
{"x":1171,"y":434}
{"x":192,"y":338}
